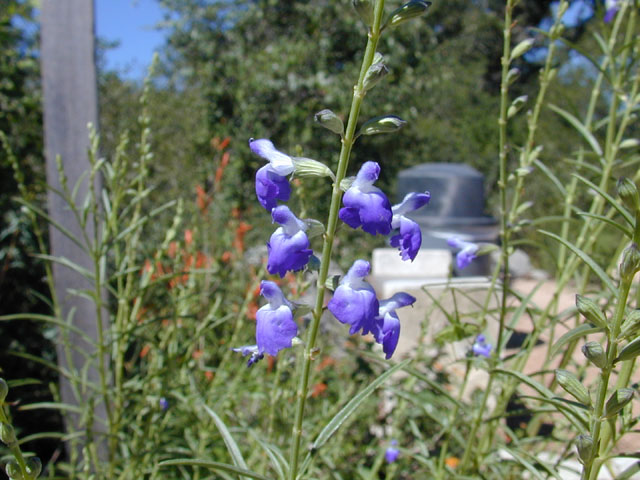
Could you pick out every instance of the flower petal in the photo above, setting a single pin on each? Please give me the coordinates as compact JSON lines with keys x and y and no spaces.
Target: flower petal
{"x":408,"y":239}
{"x":275,"y":329}
{"x":271,"y":187}
{"x":287,"y":252}
{"x":281,"y":163}
{"x":411,"y":201}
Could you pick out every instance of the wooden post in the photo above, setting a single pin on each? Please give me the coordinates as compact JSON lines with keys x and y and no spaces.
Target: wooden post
{"x":70,"y":104}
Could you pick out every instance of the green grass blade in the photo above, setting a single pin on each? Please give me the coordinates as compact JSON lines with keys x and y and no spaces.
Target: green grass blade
{"x":586,"y":259}
{"x":621,"y":210}
{"x":232,"y":446}
{"x":574,"y":334}
{"x":577,"y":124}
{"x":351,"y":407}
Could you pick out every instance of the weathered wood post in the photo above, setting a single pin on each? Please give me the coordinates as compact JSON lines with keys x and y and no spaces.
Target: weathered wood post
{"x":70,"y":104}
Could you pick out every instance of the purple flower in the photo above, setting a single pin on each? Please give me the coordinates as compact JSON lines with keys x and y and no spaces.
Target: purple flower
{"x":271,"y":181}
{"x":467,"y":251}
{"x":251,"y":350}
{"x":365,"y":205}
{"x":164,"y":404}
{"x":392,"y":453}
{"x":288,"y":246}
{"x":387,"y":331}
{"x":481,"y":347}
{"x":354,"y":301}
{"x":408,"y":238}
{"x":275,"y":328}
{"x":612,"y":7}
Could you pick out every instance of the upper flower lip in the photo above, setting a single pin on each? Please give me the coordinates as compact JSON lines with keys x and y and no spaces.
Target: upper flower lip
{"x":280,"y":163}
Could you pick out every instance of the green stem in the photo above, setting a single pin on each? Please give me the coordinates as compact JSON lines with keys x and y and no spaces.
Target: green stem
{"x":504,"y":227}
{"x":589,"y":472}
{"x":15,"y":448}
{"x":332,"y":222}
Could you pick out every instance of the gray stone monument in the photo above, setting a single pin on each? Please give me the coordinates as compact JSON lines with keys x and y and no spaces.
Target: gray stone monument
{"x":70,"y":104}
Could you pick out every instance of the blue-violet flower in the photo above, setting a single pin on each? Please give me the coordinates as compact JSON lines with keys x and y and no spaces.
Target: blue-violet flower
{"x":467,"y":251}
{"x":289,"y":245}
{"x":480,"y":347}
{"x":611,"y":7}
{"x":275,"y":328}
{"x":392,"y":453}
{"x":354,"y":301}
{"x":387,"y":331}
{"x":164,"y":403}
{"x":408,"y":238}
{"x":271,"y":182}
{"x":365,"y":205}
{"x":251,"y":350}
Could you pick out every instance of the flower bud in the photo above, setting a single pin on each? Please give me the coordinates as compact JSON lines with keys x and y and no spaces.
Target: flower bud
{"x":628,"y":192}
{"x":307,"y":167}
{"x":584,"y":443}
{"x":4,"y":389}
{"x":522,"y":48}
{"x":34,"y":467}
{"x":595,"y":353}
{"x":383,"y":124}
{"x":629,"y":143}
{"x":630,"y":351}
{"x":376,"y":72}
{"x":618,"y":401}
{"x":517,"y":105}
{"x":364,"y":8}
{"x":7,"y":434}
{"x":410,"y":10}
{"x":513,"y":75}
{"x":330,"y":121}
{"x":570,"y":383}
{"x":591,"y":311}
{"x":631,"y":324}
{"x":314,"y":227}
{"x":13,"y":470}
{"x":630,"y":262}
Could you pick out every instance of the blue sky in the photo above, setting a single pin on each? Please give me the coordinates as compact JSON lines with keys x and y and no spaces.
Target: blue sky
{"x":131,"y":22}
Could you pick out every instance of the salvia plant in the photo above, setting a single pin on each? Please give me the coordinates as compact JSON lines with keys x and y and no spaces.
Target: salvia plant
{"x":172,"y":337}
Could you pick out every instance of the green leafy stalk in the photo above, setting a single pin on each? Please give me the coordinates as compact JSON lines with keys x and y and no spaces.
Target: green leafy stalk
{"x":332,"y":222}
{"x":504,"y":226}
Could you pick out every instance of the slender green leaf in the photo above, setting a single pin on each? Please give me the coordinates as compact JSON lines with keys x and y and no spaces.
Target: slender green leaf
{"x":518,"y":458}
{"x":586,"y":259}
{"x":47,"y":319}
{"x":577,"y":124}
{"x":223,"y":467}
{"x":67,"y":263}
{"x":51,"y":406}
{"x":573,"y":334}
{"x":612,"y":201}
{"x":551,"y":176}
{"x":51,"y":221}
{"x":275,"y":455}
{"x":351,"y":407}
{"x":231,"y":444}
{"x":629,"y":472}
{"x":624,"y":230}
